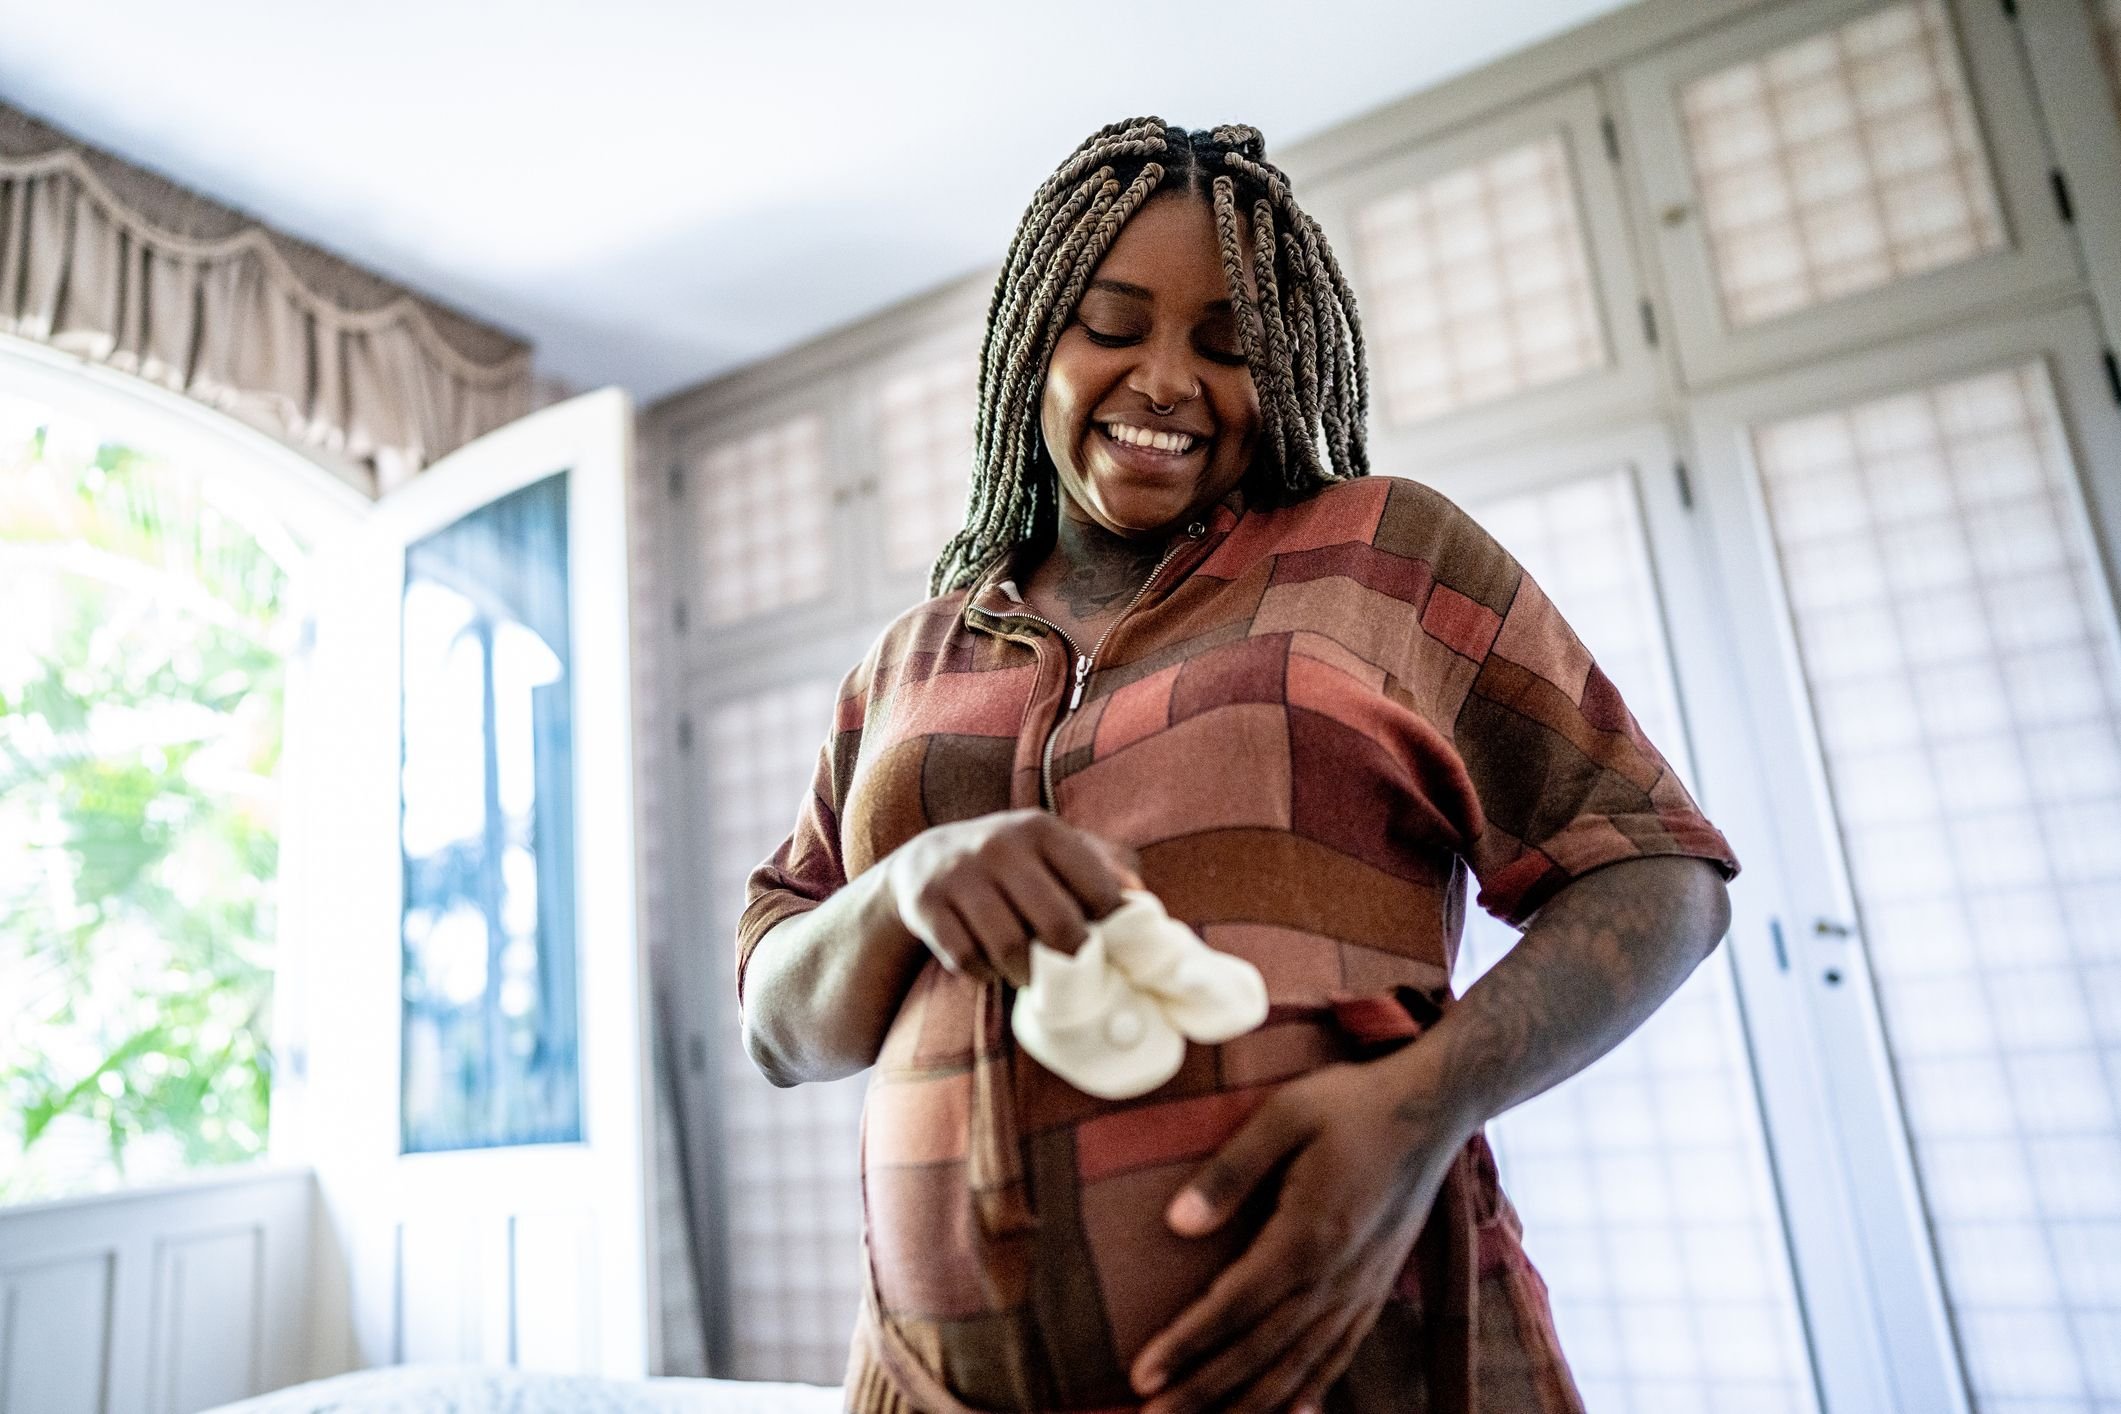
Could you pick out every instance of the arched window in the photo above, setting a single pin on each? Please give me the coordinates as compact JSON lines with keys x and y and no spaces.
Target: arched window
{"x":151,"y":577}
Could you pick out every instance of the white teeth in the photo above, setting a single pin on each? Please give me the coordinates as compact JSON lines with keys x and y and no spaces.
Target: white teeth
{"x":1143,"y":437}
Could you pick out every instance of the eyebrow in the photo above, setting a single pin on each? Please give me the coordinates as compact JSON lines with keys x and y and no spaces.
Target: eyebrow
{"x":1121,"y":287}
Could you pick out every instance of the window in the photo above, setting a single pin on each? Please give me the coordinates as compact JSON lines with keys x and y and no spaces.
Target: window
{"x":1823,"y":175}
{"x":490,"y":1013}
{"x":1957,"y":643}
{"x":924,"y":418}
{"x":1840,"y":162}
{"x":150,"y":616}
{"x":791,"y":1161}
{"x":1479,"y":283}
{"x":763,"y":520}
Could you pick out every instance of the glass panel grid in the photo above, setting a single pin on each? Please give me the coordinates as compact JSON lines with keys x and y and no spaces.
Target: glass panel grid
{"x":1643,"y":1182}
{"x":1840,"y":163}
{"x":924,"y":421}
{"x":764,"y":520}
{"x":1956,"y":639}
{"x":1477,"y":283}
{"x":790,"y":1156}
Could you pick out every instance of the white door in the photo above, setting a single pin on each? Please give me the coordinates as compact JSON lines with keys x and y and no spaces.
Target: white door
{"x":1679,"y":1195}
{"x":476,"y":1046}
{"x":1915,"y":544}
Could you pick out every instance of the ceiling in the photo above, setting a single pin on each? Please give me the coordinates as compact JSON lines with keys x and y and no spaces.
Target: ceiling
{"x":655,"y":192}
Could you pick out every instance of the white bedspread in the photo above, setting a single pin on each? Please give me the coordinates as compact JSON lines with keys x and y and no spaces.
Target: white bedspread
{"x":468,"y":1389}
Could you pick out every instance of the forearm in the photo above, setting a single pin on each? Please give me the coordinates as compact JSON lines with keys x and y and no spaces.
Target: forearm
{"x":821,"y":988}
{"x":1602,"y":955}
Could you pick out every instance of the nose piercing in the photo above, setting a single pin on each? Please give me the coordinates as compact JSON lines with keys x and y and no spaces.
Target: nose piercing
{"x":1163,"y":409}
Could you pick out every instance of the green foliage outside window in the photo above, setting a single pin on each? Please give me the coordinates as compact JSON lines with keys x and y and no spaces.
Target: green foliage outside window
{"x":143,"y":637}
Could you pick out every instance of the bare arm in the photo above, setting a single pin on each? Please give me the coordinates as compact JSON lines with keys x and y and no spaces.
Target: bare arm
{"x":1602,"y":955}
{"x":822,"y":987}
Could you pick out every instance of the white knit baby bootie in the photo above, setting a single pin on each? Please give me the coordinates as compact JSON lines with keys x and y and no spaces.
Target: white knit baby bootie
{"x":1113,"y":1019}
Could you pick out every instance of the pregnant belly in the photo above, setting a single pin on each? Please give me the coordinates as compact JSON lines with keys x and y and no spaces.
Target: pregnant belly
{"x":1057,"y":1313}
{"x":1054,"y":1315}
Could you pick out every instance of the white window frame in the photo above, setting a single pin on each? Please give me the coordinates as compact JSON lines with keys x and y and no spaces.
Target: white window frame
{"x":1630,"y":376}
{"x":1892,"y":1226}
{"x":2037,"y":255}
{"x":309,"y":500}
{"x":688,"y":444}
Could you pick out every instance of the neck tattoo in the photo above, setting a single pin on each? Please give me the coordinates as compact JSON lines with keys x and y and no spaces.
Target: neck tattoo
{"x":1103,"y":570}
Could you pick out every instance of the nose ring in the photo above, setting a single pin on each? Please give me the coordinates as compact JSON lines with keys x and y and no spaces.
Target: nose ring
{"x":1163,"y":409}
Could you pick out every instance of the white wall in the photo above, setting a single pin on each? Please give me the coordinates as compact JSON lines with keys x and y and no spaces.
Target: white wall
{"x":163,"y":1301}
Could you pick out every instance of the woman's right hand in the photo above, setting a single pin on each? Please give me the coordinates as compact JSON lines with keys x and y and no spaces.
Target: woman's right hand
{"x":978,"y":891}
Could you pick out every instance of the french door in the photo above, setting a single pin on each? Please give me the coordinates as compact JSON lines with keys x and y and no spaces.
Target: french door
{"x":1915,"y":548}
{"x":476,"y":1037}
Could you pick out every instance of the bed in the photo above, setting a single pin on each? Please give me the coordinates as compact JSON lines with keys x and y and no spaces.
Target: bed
{"x":478,"y":1389}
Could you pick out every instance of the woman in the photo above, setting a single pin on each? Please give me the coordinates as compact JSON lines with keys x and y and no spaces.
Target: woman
{"x":1182,"y":642}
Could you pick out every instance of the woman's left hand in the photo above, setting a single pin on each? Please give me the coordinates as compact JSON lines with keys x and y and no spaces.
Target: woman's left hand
{"x":1367,"y":1146}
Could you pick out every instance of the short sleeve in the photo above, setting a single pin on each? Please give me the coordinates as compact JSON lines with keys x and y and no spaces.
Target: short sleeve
{"x":1566,"y":780}
{"x":808,"y":867}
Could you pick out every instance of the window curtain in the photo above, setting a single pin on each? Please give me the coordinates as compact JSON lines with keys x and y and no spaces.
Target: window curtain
{"x":112,"y":263}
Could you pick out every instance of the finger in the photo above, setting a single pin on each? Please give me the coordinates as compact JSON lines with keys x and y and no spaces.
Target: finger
{"x":1282,"y":1386}
{"x":1054,"y":916}
{"x":1214,"y":1193}
{"x":1238,"y":1367}
{"x":936,"y":923}
{"x":1269,"y":1273}
{"x":1311,"y":1395}
{"x":997,"y":930}
{"x":1089,"y":875}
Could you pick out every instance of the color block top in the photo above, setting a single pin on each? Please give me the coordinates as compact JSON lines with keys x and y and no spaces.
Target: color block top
{"x":1312,"y":725}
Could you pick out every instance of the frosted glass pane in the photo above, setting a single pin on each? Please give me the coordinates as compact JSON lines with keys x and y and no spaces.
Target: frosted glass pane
{"x":1839,"y":163}
{"x":487,"y":915}
{"x":924,"y":428}
{"x":1643,"y":1182}
{"x":789,"y":1159}
{"x":1963,"y":678}
{"x":762,"y":528}
{"x":1476,"y":284}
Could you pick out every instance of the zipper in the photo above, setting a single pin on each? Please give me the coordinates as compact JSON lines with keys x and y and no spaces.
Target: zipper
{"x":1084,"y":662}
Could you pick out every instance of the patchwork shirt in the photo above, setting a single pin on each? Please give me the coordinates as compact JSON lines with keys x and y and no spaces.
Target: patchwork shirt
{"x":1314,"y":723}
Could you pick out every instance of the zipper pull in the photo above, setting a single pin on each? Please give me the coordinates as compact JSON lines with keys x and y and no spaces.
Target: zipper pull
{"x":1082,"y":675}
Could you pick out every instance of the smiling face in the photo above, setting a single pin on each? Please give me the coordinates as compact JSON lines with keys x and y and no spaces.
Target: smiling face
{"x":1149,"y":410}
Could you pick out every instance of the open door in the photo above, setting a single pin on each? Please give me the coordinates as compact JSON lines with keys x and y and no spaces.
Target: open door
{"x":473,"y":1011}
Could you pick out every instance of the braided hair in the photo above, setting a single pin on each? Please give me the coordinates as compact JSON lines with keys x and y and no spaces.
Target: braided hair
{"x":1302,"y":341}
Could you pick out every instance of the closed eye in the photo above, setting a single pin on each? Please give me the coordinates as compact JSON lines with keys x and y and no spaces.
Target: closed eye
{"x":1232,"y":357}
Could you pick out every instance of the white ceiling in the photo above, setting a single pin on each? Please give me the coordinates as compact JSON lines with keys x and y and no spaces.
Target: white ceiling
{"x":654,"y":191}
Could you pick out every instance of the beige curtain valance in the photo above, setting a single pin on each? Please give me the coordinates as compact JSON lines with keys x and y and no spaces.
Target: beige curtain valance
{"x":115,"y":264}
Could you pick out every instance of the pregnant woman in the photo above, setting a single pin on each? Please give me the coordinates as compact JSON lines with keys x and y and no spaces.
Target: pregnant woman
{"x":1184,"y":643}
